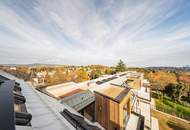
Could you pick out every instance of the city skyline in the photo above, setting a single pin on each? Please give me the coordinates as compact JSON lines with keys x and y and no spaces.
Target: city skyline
{"x":82,"y":32}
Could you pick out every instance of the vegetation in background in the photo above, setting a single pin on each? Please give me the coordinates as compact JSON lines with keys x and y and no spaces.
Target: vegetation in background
{"x":172,"y":99}
{"x":160,"y":79}
{"x":173,"y":90}
{"x":121,"y":67}
{"x":54,"y":74}
{"x":95,"y":74}
{"x":22,"y":72}
{"x":167,"y":122}
{"x":176,"y":91}
{"x":81,"y":76}
{"x":174,"y":108}
{"x":62,"y":76}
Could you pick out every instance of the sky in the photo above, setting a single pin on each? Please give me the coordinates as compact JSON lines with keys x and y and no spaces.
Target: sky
{"x":81,"y":32}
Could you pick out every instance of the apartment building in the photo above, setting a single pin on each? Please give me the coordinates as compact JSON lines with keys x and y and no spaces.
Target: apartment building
{"x":103,"y":103}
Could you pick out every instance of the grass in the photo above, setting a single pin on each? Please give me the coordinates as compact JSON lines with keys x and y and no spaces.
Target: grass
{"x":167,"y":122}
{"x":168,"y":106}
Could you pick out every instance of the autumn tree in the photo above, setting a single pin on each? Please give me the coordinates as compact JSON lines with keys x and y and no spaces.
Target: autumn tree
{"x":160,"y":79}
{"x":81,"y":76}
{"x":108,"y":71}
{"x":95,"y":74}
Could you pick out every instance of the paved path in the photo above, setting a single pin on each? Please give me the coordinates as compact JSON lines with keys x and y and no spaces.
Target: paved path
{"x":132,"y":122}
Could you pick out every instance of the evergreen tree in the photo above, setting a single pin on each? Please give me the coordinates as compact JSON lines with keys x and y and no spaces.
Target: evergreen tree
{"x":121,"y":67}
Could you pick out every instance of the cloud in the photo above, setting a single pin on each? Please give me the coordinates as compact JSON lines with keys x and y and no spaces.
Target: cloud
{"x":95,"y":32}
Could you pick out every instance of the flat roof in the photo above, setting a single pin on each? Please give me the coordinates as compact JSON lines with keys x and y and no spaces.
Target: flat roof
{"x":113,"y":92}
{"x":52,"y":87}
{"x":61,"y":91}
{"x":71,"y":93}
{"x":134,"y":74}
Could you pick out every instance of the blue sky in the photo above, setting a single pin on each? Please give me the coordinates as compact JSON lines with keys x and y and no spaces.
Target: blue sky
{"x":80,"y":32}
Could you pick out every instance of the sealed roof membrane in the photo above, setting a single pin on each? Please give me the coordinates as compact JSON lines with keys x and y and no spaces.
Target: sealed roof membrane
{"x":80,"y":100}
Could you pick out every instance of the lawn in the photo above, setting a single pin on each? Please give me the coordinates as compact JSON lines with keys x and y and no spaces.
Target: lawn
{"x":168,"y":106}
{"x":167,"y":122}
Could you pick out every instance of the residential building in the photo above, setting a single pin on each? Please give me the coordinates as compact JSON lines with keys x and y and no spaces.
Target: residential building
{"x":103,"y":103}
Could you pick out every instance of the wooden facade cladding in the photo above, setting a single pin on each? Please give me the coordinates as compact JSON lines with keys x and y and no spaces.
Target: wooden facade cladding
{"x":110,"y":112}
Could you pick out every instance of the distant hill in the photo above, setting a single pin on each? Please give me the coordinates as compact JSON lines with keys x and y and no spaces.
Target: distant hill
{"x":169,"y":68}
{"x":53,"y":65}
{"x":33,"y":65}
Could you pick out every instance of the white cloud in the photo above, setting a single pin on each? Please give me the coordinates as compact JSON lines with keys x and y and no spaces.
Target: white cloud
{"x":88,"y":32}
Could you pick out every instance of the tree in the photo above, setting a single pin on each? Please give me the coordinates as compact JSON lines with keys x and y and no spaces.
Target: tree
{"x":95,"y":74}
{"x":182,"y":89}
{"x":160,"y":79}
{"x":176,"y":91}
{"x":81,"y":76}
{"x":108,"y":71}
{"x":188,"y":92}
{"x":121,"y":67}
{"x":169,"y":90}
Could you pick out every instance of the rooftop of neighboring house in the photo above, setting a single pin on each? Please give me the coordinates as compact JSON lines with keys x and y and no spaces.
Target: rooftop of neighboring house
{"x":71,"y":93}
{"x":66,"y":89}
{"x":134,"y":74}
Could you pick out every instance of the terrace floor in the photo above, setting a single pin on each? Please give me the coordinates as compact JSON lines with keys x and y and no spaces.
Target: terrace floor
{"x":132,"y":122}
{"x":155,"y":124}
{"x":145,"y":111}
